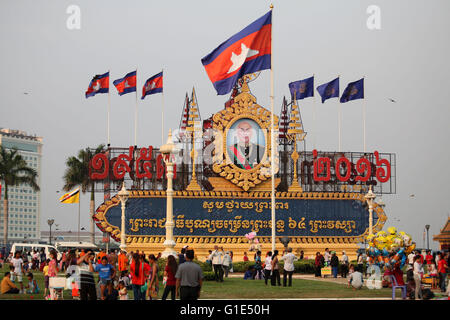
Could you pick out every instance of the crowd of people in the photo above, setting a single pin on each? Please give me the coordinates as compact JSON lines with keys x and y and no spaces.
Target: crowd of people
{"x":120,"y":273}
{"x":434,"y":265}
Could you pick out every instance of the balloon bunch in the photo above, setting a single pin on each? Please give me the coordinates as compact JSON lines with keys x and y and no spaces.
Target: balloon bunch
{"x":389,"y":249}
{"x":254,"y":242}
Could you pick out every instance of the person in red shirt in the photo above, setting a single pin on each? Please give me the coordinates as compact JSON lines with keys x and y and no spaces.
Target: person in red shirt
{"x":139,"y":271}
{"x":169,"y":274}
{"x":442,"y":270}
{"x":245,"y":256}
{"x":100,"y":256}
{"x":421,"y":257}
{"x":428,"y":259}
{"x":122,"y":261}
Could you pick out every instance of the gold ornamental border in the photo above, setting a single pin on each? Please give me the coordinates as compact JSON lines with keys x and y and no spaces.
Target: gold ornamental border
{"x":244,"y":107}
{"x":105,"y":226}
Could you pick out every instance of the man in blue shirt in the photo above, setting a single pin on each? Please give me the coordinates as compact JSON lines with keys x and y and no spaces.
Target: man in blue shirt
{"x":106,"y":272}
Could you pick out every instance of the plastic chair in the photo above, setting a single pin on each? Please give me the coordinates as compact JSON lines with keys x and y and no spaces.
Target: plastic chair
{"x":395,"y":285}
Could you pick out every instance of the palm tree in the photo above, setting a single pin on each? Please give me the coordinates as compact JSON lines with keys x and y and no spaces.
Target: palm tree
{"x":77,"y":174}
{"x":13,"y":172}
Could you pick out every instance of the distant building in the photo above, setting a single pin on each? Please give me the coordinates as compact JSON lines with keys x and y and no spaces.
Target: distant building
{"x":444,"y":236}
{"x":24,"y":203}
{"x":69,"y":236}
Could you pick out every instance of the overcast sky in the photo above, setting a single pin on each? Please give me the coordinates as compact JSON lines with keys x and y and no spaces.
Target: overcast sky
{"x":406,"y":60}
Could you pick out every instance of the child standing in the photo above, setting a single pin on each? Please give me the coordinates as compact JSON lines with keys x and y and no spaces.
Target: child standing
{"x":123,"y":293}
{"x":46,"y":277}
{"x":433,"y":274}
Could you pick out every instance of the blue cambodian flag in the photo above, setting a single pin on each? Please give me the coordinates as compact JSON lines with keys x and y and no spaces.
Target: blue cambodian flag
{"x":302,"y":88}
{"x":329,"y":90}
{"x":354,"y":90}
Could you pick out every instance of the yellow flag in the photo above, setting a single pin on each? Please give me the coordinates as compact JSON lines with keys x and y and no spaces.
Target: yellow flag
{"x":71,"y":197}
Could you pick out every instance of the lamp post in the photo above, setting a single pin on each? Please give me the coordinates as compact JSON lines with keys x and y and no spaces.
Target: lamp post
{"x":285,"y":241}
{"x":428,"y":239}
{"x":50,"y":222}
{"x":123,"y":196}
{"x":370,"y":197}
{"x":167,"y":151}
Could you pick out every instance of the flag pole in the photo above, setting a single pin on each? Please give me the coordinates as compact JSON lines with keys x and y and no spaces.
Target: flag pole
{"x":364,"y":123}
{"x":109,"y":107}
{"x":339,"y":123}
{"x":272,"y":137}
{"x":162,"y":111}
{"x":314,"y":117}
{"x":135,"y":115}
{"x":79,"y":210}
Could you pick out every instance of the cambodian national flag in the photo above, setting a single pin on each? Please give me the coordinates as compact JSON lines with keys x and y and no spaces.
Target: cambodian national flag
{"x":99,"y":84}
{"x":246,"y":52}
{"x":126,"y":84}
{"x":354,"y":90}
{"x":153,"y":85}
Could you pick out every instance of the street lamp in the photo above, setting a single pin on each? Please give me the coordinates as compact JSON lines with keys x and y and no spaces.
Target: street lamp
{"x":370,"y":197}
{"x":167,"y":151}
{"x":50,"y":222}
{"x":123,"y":196}
{"x":428,"y":240}
{"x":285,"y":241}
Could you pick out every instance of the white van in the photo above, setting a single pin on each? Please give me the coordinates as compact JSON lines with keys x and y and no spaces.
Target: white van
{"x":69,"y":245}
{"x":30,"y":247}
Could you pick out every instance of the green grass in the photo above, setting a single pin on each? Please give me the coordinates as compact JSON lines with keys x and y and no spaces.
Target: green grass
{"x":237,"y":288}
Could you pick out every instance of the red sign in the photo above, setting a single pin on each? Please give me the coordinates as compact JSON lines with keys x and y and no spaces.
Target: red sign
{"x":345,"y":171}
{"x":137,"y":165}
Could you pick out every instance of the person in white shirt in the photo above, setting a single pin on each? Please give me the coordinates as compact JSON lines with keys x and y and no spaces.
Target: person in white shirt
{"x":216,"y":258}
{"x":411,"y":258}
{"x":418,"y":272}
{"x":356,"y":279}
{"x":226,"y":263}
{"x":268,"y":267}
{"x":288,"y":259}
{"x":327,"y":256}
{"x":17,"y":263}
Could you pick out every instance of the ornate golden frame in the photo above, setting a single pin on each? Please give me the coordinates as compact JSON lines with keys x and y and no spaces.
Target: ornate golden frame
{"x":244,"y":107}
{"x":115,"y":231}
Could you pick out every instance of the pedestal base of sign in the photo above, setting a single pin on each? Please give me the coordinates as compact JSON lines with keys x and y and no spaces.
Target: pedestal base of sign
{"x":238,"y":249}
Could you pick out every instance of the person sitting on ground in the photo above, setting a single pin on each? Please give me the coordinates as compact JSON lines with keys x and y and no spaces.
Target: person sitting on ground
{"x":110,"y":292}
{"x":351,"y":269}
{"x":356,"y":279}
{"x":32,"y":286}
{"x":249,"y":273}
{"x":7,"y":286}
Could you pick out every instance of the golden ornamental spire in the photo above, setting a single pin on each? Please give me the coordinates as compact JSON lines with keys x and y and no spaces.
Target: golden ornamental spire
{"x":295,"y":133}
{"x":193,"y":128}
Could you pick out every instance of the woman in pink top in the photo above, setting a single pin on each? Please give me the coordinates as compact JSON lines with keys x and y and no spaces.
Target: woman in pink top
{"x":52,"y":270}
{"x":53,"y":264}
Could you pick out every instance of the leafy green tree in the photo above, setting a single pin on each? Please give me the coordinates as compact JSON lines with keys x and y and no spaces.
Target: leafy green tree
{"x":77,"y":174}
{"x":14,"y":171}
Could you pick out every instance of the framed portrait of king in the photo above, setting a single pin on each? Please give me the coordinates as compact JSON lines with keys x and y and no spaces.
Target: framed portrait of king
{"x":245,"y":144}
